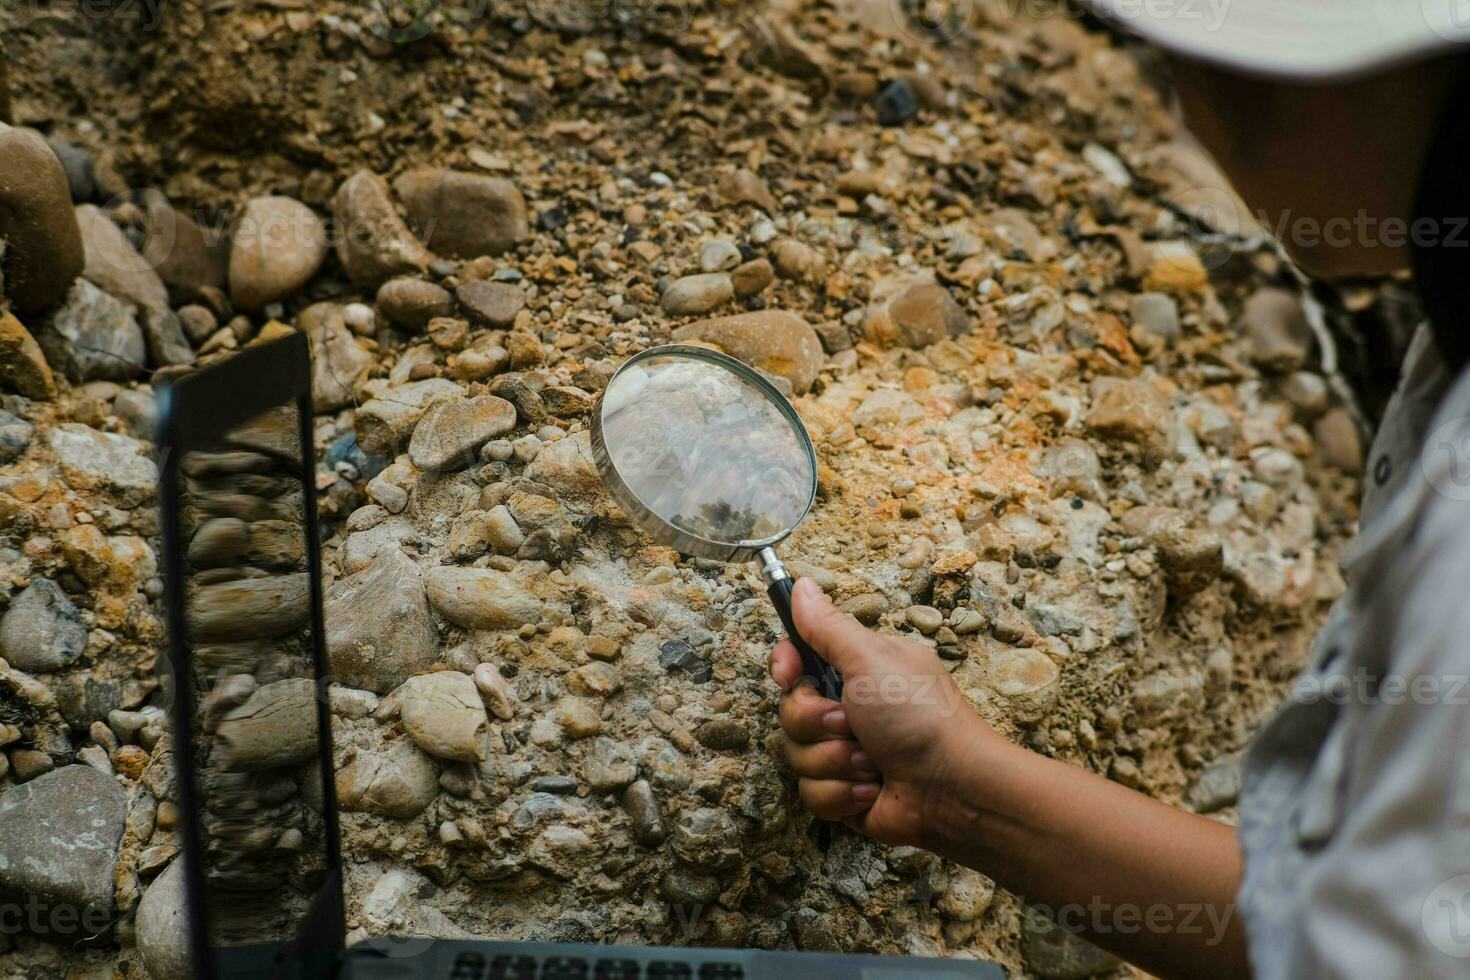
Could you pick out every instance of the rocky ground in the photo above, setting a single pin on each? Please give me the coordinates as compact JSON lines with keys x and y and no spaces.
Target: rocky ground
{"x":1078,"y":433}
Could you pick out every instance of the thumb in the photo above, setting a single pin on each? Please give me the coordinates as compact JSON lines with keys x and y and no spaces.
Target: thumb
{"x":841,"y":640}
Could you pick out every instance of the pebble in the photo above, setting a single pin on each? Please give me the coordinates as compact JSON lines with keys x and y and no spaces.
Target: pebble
{"x":81,"y":178}
{"x":373,"y":243}
{"x":796,"y":260}
{"x":162,"y":927}
{"x":412,"y":303}
{"x":103,"y":461}
{"x":443,"y":714}
{"x":1158,"y":313}
{"x":896,"y":103}
{"x":966,"y":896}
{"x":44,"y":250}
{"x":23,"y":366}
{"x":1217,"y":787}
{"x":59,"y":835}
{"x":719,"y":255}
{"x":1134,"y":411}
{"x":1340,"y":441}
{"x":492,"y":304}
{"x":777,"y":342}
{"x":578,"y":717}
{"x":594,"y":680}
{"x":386,"y":420}
{"x":15,"y":436}
{"x":496,"y":690}
{"x":398,"y":782}
{"x":453,"y":430}
{"x":42,"y":631}
{"x":114,"y":265}
{"x":276,"y":726}
{"x":1056,"y":954}
{"x":1026,"y":678}
{"x":697,"y":294}
{"x":480,"y":598}
{"x":722,"y":734}
{"x":1275,"y":326}
{"x":277,"y":244}
{"x":339,"y":361}
{"x":608,"y":766}
{"x":913,"y":311}
{"x":379,"y":631}
{"x":464,"y":215}
{"x":644,"y":814}
{"x":750,"y":278}
{"x":925,"y":619}
{"x":93,"y":335}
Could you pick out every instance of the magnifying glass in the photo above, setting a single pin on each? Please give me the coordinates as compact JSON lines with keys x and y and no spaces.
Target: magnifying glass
{"x":709,"y":458}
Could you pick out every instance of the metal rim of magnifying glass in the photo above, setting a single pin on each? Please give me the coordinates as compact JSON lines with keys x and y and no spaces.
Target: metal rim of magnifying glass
{"x":658,"y":528}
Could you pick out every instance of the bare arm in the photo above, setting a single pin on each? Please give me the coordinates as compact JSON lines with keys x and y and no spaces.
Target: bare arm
{"x":1153,"y":884}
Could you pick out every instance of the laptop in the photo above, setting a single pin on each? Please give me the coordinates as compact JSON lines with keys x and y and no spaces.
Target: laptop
{"x":262,"y":856}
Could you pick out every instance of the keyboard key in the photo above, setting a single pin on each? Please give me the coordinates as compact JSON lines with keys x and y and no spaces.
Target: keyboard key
{"x":668,"y":970}
{"x":564,"y":968}
{"x":722,"y":971}
{"x":616,"y":970}
{"x":468,"y":966}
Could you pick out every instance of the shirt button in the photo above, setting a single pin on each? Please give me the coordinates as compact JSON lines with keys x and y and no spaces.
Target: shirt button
{"x":1382,"y":470}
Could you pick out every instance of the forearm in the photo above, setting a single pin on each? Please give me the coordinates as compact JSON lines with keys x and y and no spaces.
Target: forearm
{"x":1149,"y":882}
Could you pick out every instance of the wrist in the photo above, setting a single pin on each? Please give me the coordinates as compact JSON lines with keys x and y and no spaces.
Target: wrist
{"x":971,"y":760}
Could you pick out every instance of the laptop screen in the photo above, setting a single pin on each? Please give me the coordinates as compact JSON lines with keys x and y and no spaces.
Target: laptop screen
{"x":265,"y":844}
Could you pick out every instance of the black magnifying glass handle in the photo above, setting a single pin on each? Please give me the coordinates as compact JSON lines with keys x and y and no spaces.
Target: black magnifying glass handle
{"x":779,"y":585}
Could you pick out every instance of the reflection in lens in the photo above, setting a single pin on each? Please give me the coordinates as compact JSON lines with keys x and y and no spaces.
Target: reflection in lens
{"x":706,"y":450}
{"x":248,"y":625}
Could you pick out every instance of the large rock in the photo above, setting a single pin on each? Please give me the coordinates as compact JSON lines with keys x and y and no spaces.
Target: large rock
{"x":59,"y":837}
{"x":464,"y":215}
{"x":43,"y":250}
{"x":275,"y":727}
{"x":373,"y":243}
{"x":452,"y":430}
{"x":93,"y":336}
{"x":480,"y":598}
{"x":113,"y":265}
{"x":23,"y":366}
{"x":444,"y":715}
{"x":249,"y":609}
{"x":276,"y":245}
{"x":42,"y":630}
{"x":384,"y":421}
{"x":567,"y":466}
{"x":913,"y":311}
{"x":92,"y":460}
{"x":338,"y":359}
{"x":1136,"y":411}
{"x":379,"y":631}
{"x":162,"y":926}
{"x":187,"y":257}
{"x":398,"y":782}
{"x":775,"y":341}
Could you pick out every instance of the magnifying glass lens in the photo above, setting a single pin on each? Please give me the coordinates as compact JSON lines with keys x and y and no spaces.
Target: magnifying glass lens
{"x":705,"y":450}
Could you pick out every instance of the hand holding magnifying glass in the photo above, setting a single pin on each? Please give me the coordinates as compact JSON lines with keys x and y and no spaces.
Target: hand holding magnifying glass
{"x":704,"y":454}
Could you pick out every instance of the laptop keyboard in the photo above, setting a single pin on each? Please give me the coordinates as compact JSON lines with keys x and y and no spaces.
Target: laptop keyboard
{"x":479,"y":966}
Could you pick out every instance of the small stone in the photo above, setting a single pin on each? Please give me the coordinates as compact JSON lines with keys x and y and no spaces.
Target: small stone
{"x":707,"y":839}
{"x":23,"y":367}
{"x":443,"y":714}
{"x":1275,"y":326}
{"x":275,"y":727}
{"x":644,"y":814}
{"x":1025,"y":677}
{"x":1217,"y":787}
{"x":777,"y":342}
{"x":750,"y":278}
{"x":896,"y":103}
{"x":966,"y":896}
{"x":384,"y":421}
{"x":1057,"y":954}
{"x":92,"y":335}
{"x":398,"y":782}
{"x":1158,"y":313}
{"x":566,"y":401}
{"x":412,"y":303}
{"x":1340,"y":441}
{"x":567,"y":464}
{"x":277,"y":244}
{"x":464,"y":215}
{"x":351,"y":703}
{"x":718,"y":255}
{"x":44,"y":250}
{"x":163,"y":335}
{"x":130,"y":760}
{"x":608,"y":766}
{"x":594,"y":680}
{"x":496,"y":690}
{"x":493,"y":304}
{"x":379,"y":631}
{"x":480,"y":598}
{"x":103,"y":461}
{"x":114,"y":265}
{"x":28,"y":764}
{"x":913,"y":311}
{"x":743,"y":186}
{"x":338,"y":359}
{"x":81,"y":178}
{"x":1134,"y":411}
{"x":373,"y":243}
{"x":925,"y":619}
{"x":451,"y":431}
{"x":448,"y":333}
{"x":697,"y":294}
{"x":722,"y":734}
{"x":577,"y":717}
{"x":796,"y":260}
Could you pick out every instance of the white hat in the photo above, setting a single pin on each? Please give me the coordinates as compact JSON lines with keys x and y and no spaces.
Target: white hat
{"x":1295,"y":39}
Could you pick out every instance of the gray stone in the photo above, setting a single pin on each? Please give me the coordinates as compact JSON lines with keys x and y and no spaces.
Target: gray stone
{"x":707,"y":839}
{"x":398,"y":782}
{"x":338,"y":359}
{"x":15,"y":436}
{"x":93,"y":336}
{"x":697,"y":294}
{"x":412,"y":303}
{"x":493,"y":304}
{"x":1275,"y":326}
{"x":451,"y":431}
{"x":464,"y":215}
{"x":1217,"y":787}
{"x":162,"y":926}
{"x":379,"y":631}
{"x":644,"y":814}
{"x":1156,"y":313}
{"x":59,"y":837}
{"x":114,"y":266}
{"x":608,"y":765}
{"x":1057,"y":954}
{"x":103,"y":461}
{"x":163,"y":334}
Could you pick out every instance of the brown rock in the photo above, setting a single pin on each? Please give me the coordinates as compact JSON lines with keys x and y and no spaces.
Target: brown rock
{"x":1276,"y":327}
{"x":373,"y":243}
{"x":1340,"y":441}
{"x":187,"y":257}
{"x":43,"y":251}
{"x":412,"y":303}
{"x":494,"y":304}
{"x":752,"y":277}
{"x":452,"y":430}
{"x":379,"y":631}
{"x":745,"y":187}
{"x":23,"y":367}
{"x":338,"y":359}
{"x":775,"y":341}
{"x":914,"y":311}
{"x":1134,"y":411}
{"x":464,"y":215}
{"x":113,"y":265}
{"x":276,"y":245}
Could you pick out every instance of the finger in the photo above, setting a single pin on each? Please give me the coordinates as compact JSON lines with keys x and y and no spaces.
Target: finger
{"x":785,"y":665}
{"x":806,"y":716}
{"x":835,"y":799}
{"x":840,"y":758}
{"x":841,"y":640}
